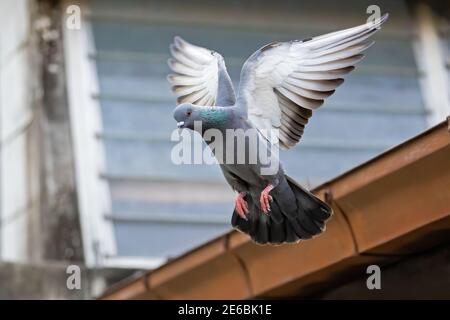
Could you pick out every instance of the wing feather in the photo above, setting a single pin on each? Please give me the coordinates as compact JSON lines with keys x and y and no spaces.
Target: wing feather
{"x":283,"y":83}
{"x":322,"y":75}
{"x":200,"y":75}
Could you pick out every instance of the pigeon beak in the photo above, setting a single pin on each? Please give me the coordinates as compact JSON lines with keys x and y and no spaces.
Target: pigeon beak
{"x":180,"y":124}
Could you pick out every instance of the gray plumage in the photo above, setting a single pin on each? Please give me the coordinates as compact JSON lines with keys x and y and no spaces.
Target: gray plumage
{"x":281,"y":86}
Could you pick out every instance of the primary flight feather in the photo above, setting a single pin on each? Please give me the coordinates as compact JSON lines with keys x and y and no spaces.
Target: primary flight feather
{"x":281,"y":85}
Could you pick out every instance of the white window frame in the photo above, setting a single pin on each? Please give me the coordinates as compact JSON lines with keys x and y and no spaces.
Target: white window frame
{"x":94,"y":200}
{"x":431,"y":62}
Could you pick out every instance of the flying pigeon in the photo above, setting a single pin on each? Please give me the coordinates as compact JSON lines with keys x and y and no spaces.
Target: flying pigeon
{"x":281,"y":85}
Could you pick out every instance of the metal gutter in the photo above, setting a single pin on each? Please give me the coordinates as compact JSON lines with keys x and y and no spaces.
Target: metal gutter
{"x":392,"y":206}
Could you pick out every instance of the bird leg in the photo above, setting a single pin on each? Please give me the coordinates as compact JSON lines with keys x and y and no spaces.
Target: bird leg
{"x":266,"y":198}
{"x":241,"y":205}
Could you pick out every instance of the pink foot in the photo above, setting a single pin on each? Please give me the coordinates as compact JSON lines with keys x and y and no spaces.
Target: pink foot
{"x":265,"y":198}
{"x":241,"y":206}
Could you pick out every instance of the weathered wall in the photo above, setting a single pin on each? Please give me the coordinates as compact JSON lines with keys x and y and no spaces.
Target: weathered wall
{"x":49,"y":281}
{"x":39,"y":213}
{"x":58,"y":223}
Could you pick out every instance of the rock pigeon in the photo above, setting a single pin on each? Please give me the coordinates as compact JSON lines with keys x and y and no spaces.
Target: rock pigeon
{"x":281,"y":85}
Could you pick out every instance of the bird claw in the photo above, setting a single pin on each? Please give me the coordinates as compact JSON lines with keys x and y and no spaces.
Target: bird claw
{"x":241,"y":206}
{"x":265,"y":199}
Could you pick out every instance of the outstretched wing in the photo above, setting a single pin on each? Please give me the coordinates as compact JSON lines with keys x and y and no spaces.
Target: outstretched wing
{"x":200,"y":75}
{"x":283,"y":83}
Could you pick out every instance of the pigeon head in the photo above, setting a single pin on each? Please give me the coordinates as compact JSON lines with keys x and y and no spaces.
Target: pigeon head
{"x":185,"y":114}
{"x":210,"y":117}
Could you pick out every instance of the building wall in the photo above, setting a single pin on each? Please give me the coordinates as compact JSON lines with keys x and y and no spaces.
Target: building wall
{"x":16,"y":116}
{"x":39,"y":225}
{"x":49,"y":281}
{"x":39,"y":217}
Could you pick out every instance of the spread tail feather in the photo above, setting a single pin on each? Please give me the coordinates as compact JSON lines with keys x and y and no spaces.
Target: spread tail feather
{"x":278,"y":227}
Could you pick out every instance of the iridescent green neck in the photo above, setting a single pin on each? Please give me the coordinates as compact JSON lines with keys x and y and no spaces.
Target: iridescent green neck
{"x":214,"y":117}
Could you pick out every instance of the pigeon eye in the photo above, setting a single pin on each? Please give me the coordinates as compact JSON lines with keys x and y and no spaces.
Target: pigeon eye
{"x":188,"y":113}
